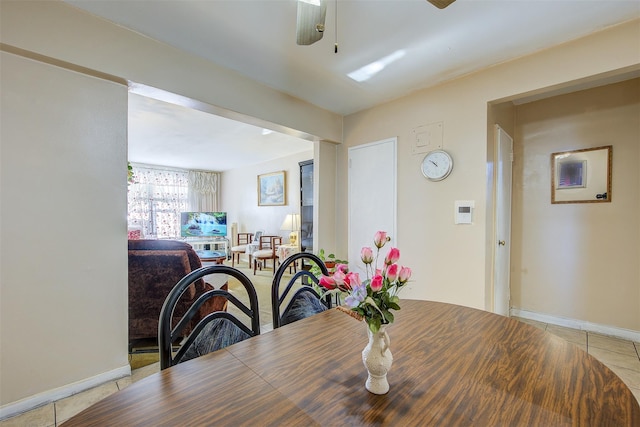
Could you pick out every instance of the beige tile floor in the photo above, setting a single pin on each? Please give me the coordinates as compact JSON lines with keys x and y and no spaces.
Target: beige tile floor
{"x":621,"y":356}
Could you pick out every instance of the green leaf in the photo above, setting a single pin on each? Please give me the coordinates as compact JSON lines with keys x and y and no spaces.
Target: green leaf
{"x":374,"y":324}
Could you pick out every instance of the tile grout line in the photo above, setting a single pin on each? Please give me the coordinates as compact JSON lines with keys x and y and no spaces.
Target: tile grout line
{"x":587,"y":339}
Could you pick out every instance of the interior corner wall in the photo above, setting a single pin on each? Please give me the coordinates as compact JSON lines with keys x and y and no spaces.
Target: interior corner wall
{"x":579,"y":260}
{"x":325,"y":215}
{"x":239,"y":192}
{"x":63,"y":273}
{"x":450,"y":261}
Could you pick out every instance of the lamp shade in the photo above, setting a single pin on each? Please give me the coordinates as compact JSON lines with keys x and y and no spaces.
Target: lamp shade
{"x":291,"y":222}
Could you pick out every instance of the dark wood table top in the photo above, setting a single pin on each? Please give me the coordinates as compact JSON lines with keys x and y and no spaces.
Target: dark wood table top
{"x":453,"y":366}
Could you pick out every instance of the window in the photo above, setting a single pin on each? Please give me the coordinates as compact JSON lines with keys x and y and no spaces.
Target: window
{"x":155,"y":200}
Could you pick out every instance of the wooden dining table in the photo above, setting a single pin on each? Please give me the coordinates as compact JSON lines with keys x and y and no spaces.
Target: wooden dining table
{"x":452,"y":366}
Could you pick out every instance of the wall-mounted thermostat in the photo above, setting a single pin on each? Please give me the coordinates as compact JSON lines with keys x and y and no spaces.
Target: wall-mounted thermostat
{"x":464,"y":211}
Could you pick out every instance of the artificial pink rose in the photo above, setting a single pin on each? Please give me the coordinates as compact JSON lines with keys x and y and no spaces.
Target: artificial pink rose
{"x":392,"y":256}
{"x":392,"y":272}
{"x":352,"y":280}
{"x":366,"y":254}
{"x":404,"y":275}
{"x":376,"y":283}
{"x":343,"y":268}
{"x":380,"y":239}
{"x":339,"y":277}
{"x":327,"y":282}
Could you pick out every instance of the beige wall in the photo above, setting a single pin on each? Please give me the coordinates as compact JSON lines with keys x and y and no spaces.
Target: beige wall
{"x":60,"y":31}
{"x":578,"y":261}
{"x":63,"y":273}
{"x":451,"y":262}
{"x":325,"y":185}
{"x":64,"y":325}
{"x":240,"y":195}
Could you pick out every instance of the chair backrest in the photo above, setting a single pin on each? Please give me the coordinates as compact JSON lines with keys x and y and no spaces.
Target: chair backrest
{"x":275,"y":242}
{"x":256,"y":236}
{"x":169,"y":245}
{"x":216,"y":330}
{"x":245,"y":238}
{"x":265,"y":241}
{"x":305,"y":301}
{"x":153,"y":272}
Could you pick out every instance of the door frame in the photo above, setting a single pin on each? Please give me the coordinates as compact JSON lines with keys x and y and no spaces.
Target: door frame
{"x":501,"y":293}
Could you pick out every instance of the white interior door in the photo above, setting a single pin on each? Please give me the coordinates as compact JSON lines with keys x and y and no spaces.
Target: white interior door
{"x":372,"y":196}
{"x":501,"y":292}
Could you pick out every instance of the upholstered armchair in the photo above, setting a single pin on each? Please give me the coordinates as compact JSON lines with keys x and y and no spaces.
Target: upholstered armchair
{"x":155,"y":267}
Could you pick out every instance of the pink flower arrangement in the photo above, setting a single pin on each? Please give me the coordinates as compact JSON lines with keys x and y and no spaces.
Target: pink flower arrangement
{"x":373,"y":298}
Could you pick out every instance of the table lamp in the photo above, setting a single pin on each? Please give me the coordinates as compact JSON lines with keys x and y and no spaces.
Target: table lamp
{"x":292,"y":223}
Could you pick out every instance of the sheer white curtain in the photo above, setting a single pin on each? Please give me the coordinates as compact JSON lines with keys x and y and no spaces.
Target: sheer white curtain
{"x":204,"y":191}
{"x":155,"y":200}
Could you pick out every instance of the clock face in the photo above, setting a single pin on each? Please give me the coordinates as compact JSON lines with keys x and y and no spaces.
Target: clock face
{"x":437,"y":165}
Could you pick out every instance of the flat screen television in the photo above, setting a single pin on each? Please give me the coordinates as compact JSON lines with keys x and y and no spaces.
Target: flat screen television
{"x":203,"y":224}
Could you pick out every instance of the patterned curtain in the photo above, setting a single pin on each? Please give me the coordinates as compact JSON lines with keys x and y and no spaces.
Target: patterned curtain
{"x":203,"y":191}
{"x":155,"y":200}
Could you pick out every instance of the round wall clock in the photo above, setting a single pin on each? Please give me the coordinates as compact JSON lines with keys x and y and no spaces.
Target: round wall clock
{"x":437,"y":165}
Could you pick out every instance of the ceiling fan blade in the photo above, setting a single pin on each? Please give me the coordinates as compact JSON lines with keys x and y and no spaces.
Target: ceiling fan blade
{"x":441,"y":4}
{"x":310,"y":23}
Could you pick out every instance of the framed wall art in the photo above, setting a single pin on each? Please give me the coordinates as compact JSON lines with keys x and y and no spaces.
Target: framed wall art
{"x":272,"y":189}
{"x":581,"y":176}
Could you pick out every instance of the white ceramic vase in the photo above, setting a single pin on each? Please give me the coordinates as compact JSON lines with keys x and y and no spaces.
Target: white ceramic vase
{"x":377,"y":358}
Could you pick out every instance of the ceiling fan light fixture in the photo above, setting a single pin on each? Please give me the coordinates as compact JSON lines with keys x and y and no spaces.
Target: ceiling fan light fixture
{"x":310,"y":21}
{"x":441,"y":4}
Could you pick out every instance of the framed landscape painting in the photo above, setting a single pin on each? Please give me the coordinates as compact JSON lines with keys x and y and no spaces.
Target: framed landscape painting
{"x":272,"y":189}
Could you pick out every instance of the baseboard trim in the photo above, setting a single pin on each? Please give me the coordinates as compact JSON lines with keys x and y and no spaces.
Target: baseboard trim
{"x":613,"y":331}
{"x":40,"y":399}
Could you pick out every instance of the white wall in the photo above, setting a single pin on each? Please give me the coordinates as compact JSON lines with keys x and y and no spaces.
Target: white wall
{"x":239,"y":192}
{"x":63,"y":280}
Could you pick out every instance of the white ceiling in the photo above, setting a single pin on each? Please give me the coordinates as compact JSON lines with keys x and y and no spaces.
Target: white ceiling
{"x":166,"y":134}
{"x":256,"y":38}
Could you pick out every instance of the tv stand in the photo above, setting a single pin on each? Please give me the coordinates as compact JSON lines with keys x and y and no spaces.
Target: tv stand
{"x":199,"y":244}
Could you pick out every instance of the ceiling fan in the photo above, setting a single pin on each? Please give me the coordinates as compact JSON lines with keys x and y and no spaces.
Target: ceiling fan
{"x":441,"y":4}
{"x":311,"y":15}
{"x":310,"y":23}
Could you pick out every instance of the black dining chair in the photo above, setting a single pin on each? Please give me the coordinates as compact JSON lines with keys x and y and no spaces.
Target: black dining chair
{"x":305,"y":301}
{"x":215,"y":330}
